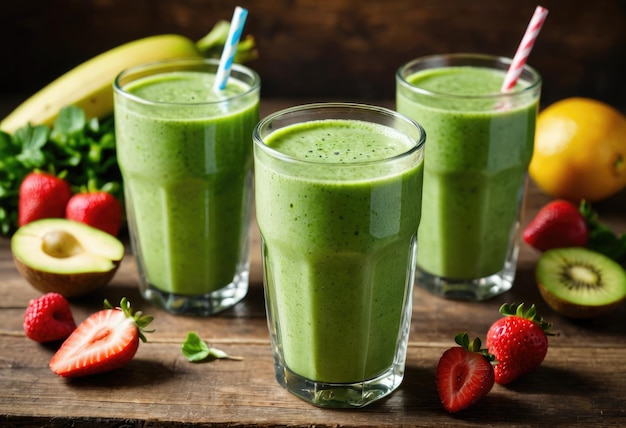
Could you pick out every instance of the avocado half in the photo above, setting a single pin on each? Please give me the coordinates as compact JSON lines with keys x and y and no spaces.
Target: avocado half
{"x":66,"y":256}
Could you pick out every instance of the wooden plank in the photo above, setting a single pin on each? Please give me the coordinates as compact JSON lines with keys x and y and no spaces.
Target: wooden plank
{"x":160,"y":386}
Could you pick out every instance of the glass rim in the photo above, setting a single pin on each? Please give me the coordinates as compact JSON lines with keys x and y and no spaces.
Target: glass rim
{"x":153,"y":68}
{"x":439,"y":61}
{"x":347,"y":106}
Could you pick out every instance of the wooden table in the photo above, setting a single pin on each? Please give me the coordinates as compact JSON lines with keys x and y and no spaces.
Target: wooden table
{"x":581,"y":382}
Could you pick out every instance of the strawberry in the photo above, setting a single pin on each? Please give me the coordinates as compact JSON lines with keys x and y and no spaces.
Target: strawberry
{"x":97,"y":208}
{"x":518,"y":341}
{"x":48,"y":318}
{"x":42,"y":195}
{"x":105,"y":341}
{"x":464,"y":374}
{"x":558,"y":224}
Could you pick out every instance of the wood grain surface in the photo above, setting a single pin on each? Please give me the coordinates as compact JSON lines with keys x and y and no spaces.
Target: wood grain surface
{"x":580,"y":383}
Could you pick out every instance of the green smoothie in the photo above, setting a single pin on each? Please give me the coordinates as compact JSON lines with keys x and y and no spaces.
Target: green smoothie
{"x":186,"y":162}
{"x":476,"y":159}
{"x":338,"y":233}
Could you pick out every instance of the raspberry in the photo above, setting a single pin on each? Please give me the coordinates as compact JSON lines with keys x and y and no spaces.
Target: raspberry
{"x":48,"y":318}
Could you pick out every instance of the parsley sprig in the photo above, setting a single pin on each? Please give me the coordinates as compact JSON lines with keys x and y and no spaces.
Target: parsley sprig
{"x":79,"y":150}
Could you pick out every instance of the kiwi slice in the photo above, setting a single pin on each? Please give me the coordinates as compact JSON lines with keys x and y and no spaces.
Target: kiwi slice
{"x":580,"y":283}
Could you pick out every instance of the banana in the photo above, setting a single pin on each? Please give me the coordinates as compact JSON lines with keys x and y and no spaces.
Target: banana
{"x":90,"y":84}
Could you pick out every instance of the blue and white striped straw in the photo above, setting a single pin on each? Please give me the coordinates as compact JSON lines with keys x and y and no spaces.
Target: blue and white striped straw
{"x":230,"y":48}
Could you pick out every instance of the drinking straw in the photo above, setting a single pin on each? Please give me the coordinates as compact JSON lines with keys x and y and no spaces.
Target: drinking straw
{"x":230,"y":48}
{"x":524,"y":48}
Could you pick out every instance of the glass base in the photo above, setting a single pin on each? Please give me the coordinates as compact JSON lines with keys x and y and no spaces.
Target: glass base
{"x":340,"y":395}
{"x":200,"y":305}
{"x":474,"y":290}
{"x":465,"y":289}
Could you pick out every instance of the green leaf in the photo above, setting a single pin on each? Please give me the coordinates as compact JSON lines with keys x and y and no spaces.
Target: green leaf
{"x":81,"y":150}
{"x":197,"y":350}
{"x":93,"y":125}
{"x":601,"y":238}
{"x":194,"y":348}
{"x":32,"y":140}
{"x":70,"y":121}
{"x":7,"y":146}
{"x":462,"y":339}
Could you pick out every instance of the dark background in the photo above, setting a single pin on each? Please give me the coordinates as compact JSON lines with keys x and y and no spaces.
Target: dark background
{"x":345,"y":50}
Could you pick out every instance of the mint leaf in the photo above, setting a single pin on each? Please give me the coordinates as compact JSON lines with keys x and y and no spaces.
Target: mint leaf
{"x":197,"y":350}
{"x":194,"y":348}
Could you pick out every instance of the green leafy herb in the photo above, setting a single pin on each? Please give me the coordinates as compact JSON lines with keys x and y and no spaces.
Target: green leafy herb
{"x":197,"y":350}
{"x":601,"y":237}
{"x":79,"y":150}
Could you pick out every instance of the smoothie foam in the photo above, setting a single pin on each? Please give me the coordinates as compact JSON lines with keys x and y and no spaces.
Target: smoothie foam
{"x":337,"y":245}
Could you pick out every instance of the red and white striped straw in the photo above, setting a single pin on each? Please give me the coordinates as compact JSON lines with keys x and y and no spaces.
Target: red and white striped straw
{"x":524,"y":48}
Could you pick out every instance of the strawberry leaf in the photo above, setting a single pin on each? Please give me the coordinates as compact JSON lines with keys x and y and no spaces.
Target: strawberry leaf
{"x":513,"y":309}
{"x":140,"y":320}
{"x":462,"y":339}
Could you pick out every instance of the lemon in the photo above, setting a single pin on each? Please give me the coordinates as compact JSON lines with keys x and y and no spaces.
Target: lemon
{"x":580,"y":150}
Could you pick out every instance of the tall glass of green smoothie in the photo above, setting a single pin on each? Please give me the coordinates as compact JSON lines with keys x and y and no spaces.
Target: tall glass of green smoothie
{"x":338,"y":200}
{"x":185,"y":153}
{"x":480,"y":142}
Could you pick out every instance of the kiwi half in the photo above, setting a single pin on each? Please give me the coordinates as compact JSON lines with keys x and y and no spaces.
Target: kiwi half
{"x":580,"y":283}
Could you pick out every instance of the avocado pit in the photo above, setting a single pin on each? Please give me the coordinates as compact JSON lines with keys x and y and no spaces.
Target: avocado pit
{"x":60,"y":244}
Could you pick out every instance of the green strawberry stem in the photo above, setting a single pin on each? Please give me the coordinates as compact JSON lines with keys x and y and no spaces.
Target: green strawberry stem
{"x":462,"y":339}
{"x":512,"y":309}
{"x":138,"y":318}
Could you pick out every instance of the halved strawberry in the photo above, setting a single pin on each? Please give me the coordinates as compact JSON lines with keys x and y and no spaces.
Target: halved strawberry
{"x":105,"y":341}
{"x":558,"y":224}
{"x":464,"y":374}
